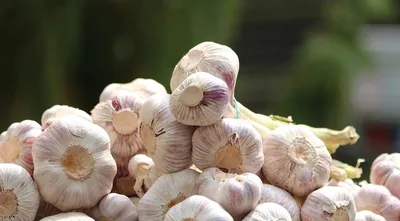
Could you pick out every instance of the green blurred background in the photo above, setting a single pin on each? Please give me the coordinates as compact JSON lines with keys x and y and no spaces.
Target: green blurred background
{"x":297,"y":58}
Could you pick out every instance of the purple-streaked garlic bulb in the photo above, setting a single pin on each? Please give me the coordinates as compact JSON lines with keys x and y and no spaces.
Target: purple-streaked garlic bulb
{"x":115,"y":207}
{"x":385,"y":170}
{"x":57,"y":111}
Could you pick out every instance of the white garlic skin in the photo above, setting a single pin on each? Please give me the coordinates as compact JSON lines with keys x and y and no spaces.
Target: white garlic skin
{"x":367,"y":215}
{"x":69,"y":216}
{"x":74,"y":167}
{"x":267,"y":212}
{"x":237,"y":194}
{"x":231,"y":144}
{"x":198,"y":208}
{"x":19,"y":197}
{"x":141,"y":167}
{"x":329,"y":203}
{"x":57,"y":111}
{"x":200,"y":100}
{"x":385,"y":170}
{"x":16,"y":143}
{"x":115,"y":207}
{"x":379,"y":200}
{"x":273,"y":194}
{"x":296,"y":160}
{"x":216,"y":59}
{"x":167,"y":191}
{"x":168,"y":142}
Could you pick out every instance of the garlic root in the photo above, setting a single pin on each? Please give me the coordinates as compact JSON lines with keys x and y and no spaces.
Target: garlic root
{"x":57,"y":111}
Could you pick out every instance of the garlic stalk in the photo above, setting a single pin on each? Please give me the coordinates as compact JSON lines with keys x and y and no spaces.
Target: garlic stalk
{"x":296,"y":160}
{"x":268,"y":211}
{"x":366,"y":215}
{"x":57,"y":111}
{"x":16,"y":143}
{"x":69,"y":216}
{"x":115,"y":207}
{"x":73,"y":163}
{"x":329,"y":203}
{"x":19,"y":197}
{"x":197,"y":208}
{"x":237,"y":194}
{"x":385,"y":170}
{"x":230,"y":144}
{"x":141,"y":168}
{"x":342,"y":171}
{"x":167,"y":191}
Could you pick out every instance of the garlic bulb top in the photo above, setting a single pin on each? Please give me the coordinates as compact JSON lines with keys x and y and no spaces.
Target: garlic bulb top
{"x":367,"y":215}
{"x":69,"y":216}
{"x":57,"y":111}
{"x":230,"y":144}
{"x":16,"y":143}
{"x":296,"y":159}
{"x":115,"y":207}
{"x":73,"y":163}
{"x":167,"y":191}
{"x":216,"y":59}
{"x":200,"y":100}
{"x":268,"y":211}
{"x":385,"y":170}
{"x":19,"y":197}
{"x":197,"y":208}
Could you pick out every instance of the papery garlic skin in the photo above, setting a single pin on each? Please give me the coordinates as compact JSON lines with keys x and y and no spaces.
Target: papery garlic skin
{"x":237,"y":194}
{"x":69,"y":216}
{"x":378,"y":199}
{"x":296,"y":159}
{"x":216,"y":59}
{"x":115,"y":207}
{"x":167,"y":191}
{"x":57,"y":111}
{"x":141,"y":167}
{"x":329,"y":203}
{"x":168,"y":142}
{"x":347,"y":184}
{"x":268,"y":211}
{"x":198,"y":208}
{"x":16,"y":143}
{"x":200,"y":100}
{"x":19,"y":197}
{"x":74,"y":167}
{"x":385,"y":170}
{"x":366,"y":215}
{"x":230,"y":144}
{"x":273,"y":194}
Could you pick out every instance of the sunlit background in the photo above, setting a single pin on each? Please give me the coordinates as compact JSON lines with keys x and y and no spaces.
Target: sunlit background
{"x":325,"y":63}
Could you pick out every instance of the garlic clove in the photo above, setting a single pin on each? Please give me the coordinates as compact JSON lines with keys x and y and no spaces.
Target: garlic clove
{"x":230,"y":144}
{"x":296,"y":160}
{"x":366,"y":215}
{"x":237,"y":194}
{"x":167,"y":191}
{"x":197,"y":208}
{"x":167,"y":141}
{"x":57,"y":111}
{"x":329,"y":203}
{"x":19,"y":197}
{"x":69,"y":216}
{"x":273,"y":194}
{"x":385,"y":170}
{"x":74,"y":167}
{"x":379,"y":200}
{"x":115,"y":207}
{"x":268,"y":211}
{"x":16,"y":144}
{"x":200,"y":100}
{"x":141,"y":167}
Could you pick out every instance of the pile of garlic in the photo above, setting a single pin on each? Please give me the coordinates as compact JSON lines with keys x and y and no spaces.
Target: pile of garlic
{"x":193,"y":154}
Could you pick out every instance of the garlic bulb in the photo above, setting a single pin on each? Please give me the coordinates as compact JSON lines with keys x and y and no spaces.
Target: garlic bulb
{"x":268,"y":211}
{"x":46,"y":209}
{"x":329,"y":203}
{"x":230,"y":144}
{"x":347,"y":184}
{"x":115,"y":207}
{"x":237,"y":194}
{"x":167,"y":191}
{"x":366,"y":215}
{"x":197,"y":208}
{"x":168,"y":142}
{"x":120,"y":118}
{"x":379,"y":200}
{"x":200,"y":100}
{"x":19,"y":197}
{"x":57,"y":111}
{"x":124,"y":185}
{"x":141,"y":168}
{"x":217,"y":59}
{"x":73,"y":163}
{"x":144,"y":87}
{"x":273,"y":194}
{"x":16,"y":143}
{"x":296,"y":159}
{"x":385,"y":170}
{"x":69,"y":216}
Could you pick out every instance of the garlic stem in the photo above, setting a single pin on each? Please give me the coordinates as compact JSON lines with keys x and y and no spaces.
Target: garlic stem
{"x":351,"y":172}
